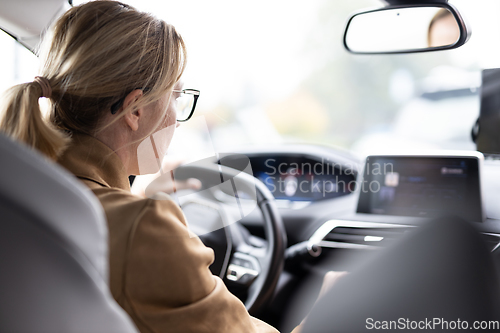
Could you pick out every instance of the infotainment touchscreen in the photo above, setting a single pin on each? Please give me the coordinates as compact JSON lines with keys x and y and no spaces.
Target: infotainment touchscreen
{"x":422,"y":186}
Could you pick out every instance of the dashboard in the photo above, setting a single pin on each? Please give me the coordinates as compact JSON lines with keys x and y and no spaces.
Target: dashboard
{"x":354,"y":220}
{"x":336,"y":205}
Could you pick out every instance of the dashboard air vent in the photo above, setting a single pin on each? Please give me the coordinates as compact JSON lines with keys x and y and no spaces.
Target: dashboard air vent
{"x":356,"y":234}
{"x":364,"y":236}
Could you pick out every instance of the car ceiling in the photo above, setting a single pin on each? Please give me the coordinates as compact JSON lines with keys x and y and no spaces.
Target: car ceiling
{"x":27,"y":20}
{"x":28,"y":26}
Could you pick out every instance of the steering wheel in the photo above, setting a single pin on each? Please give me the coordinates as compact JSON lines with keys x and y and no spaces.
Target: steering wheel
{"x":250,"y":263}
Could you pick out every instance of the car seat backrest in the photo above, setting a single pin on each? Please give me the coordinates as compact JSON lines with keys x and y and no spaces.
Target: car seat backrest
{"x":53,"y":250}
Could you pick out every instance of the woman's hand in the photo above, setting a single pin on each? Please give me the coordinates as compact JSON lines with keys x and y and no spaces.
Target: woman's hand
{"x":329,"y":281}
{"x":148,"y":185}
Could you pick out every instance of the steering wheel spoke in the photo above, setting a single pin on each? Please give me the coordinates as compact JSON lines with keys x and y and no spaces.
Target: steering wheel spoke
{"x":243,"y":269}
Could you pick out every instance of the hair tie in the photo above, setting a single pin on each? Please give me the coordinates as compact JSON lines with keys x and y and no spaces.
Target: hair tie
{"x":45,"y":85}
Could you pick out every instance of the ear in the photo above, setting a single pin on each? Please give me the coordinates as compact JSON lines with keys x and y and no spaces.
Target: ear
{"x":133,"y":116}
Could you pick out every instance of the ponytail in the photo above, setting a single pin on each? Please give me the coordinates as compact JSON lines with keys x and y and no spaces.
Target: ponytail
{"x":22,"y":120}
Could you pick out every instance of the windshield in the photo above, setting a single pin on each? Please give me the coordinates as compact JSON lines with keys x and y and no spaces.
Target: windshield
{"x":274,"y":72}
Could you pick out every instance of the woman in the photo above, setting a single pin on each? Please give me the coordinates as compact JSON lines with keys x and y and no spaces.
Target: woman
{"x":111,"y":74}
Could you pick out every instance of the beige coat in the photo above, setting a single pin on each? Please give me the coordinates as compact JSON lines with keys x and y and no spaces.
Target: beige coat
{"x":158,"y":273}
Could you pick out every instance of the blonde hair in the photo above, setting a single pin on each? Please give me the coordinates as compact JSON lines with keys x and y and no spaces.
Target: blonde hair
{"x":98,"y":53}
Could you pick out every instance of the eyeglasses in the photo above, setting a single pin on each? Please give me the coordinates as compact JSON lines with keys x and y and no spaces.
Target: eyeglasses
{"x":185,"y":103}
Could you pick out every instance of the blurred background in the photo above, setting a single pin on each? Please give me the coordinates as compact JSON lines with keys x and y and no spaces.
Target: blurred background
{"x":276,"y":71}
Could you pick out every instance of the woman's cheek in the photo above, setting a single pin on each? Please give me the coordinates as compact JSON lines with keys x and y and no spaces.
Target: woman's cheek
{"x":171,"y":114}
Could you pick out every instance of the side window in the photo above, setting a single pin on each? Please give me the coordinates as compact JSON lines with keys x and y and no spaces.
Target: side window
{"x":17,"y":64}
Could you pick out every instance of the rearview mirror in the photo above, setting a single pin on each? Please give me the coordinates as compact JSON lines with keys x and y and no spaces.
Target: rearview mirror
{"x":406,"y":29}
